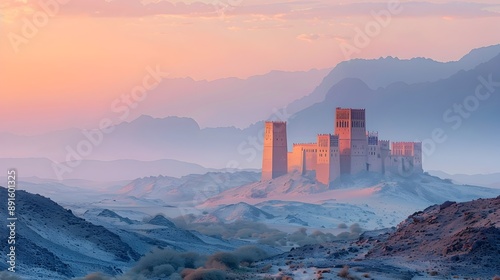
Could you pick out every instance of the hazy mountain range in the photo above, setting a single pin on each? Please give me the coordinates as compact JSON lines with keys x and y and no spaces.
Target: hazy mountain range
{"x":376,"y":73}
{"x":488,"y":180}
{"x":229,"y":101}
{"x":402,"y":103}
{"x":103,"y":171}
{"x":402,"y":112}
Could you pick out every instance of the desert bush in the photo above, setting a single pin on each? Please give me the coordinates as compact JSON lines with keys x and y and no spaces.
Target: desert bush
{"x":433,"y":273}
{"x":163,"y":263}
{"x":323,"y":237}
{"x":203,"y":274}
{"x":91,"y":276}
{"x":272,"y":239}
{"x":163,"y":270}
{"x":343,"y":235}
{"x":238,"y":229}
{"x":355,"y":228}
{"x":250,"y":254}
{"x":342,"y":225}
{"x":223,"y":260}
{"x":298,"y":235}
{"x":344,"y":272}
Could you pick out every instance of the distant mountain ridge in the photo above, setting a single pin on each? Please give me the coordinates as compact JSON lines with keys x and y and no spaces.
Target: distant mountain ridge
{"x":402,"y":112}
{"x":399,"y":111}
{"x":487,"y":180}
{"x":102,"y":171}
{"x":240,"y":98}
{"x":382,"y":72}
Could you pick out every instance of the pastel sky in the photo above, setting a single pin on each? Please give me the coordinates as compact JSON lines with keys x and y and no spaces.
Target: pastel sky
{"x":82,"y":54}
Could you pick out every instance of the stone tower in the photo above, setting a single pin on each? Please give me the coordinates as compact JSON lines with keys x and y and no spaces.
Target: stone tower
{"x":350,"y":127}
{"x":407,"y":157}
{"x":274,"y":158}
{"x":327,"y":167}
{"x":374,"y":158}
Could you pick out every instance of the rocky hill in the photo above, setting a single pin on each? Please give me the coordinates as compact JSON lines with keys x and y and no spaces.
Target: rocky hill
{"x":456,"y":237}
{"x":53,"y":243}
{"x":374,"y":201}
{"x":191,"y":188}
{"x":240,"y":212}
{"x":57,"y":243}
{"x":446,"y":241}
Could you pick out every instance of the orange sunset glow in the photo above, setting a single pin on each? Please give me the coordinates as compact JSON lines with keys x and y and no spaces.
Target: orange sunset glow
{"x":84,"y":54}
{"x":249,"y":139}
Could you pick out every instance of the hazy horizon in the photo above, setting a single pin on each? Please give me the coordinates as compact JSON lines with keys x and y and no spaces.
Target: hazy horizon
{"x":77,"y":57}
{"x":226,"y":64}
{"x":249,"y":139}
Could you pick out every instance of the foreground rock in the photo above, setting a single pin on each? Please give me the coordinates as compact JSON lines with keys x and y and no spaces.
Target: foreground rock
{"x":447,"y":241}
{"x":457,"y":238}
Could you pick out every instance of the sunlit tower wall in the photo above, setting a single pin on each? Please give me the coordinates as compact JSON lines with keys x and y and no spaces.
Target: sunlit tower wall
{"x":374,"y":162}
{"x":350,"y":126}
{"x":302,"y":158}
{"x":407,"y":157}
{"x":327,"y":158}
{"x":274,"y":158}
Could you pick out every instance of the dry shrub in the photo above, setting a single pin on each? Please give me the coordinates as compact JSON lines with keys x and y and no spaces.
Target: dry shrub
{"x":344,"y":272}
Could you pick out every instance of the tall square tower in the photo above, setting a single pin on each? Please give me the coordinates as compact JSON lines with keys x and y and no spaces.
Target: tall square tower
{"x":350,"y":127}
{"x":275,"y":156}
{"x":328,"y":162}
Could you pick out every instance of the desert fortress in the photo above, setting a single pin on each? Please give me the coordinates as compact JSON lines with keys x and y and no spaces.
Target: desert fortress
{"x":349,"y":151}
